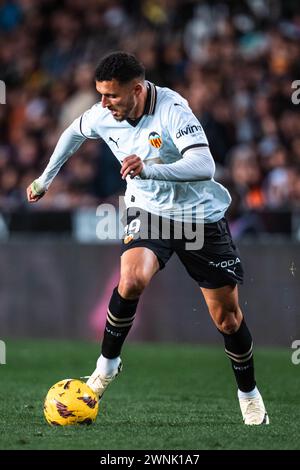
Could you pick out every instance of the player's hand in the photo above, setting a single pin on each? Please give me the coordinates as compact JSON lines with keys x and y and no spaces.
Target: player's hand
{"x":35,"y":192}
{"x":131,"y":165}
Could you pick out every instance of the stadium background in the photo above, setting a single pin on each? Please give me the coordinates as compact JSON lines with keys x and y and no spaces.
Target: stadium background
{"x":235,"y":61}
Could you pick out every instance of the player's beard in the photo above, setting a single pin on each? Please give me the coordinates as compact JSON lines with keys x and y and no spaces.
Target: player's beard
{"x":125,"y":111}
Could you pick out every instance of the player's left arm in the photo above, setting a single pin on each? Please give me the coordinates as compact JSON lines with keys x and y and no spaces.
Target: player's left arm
{"x":197,"y":163}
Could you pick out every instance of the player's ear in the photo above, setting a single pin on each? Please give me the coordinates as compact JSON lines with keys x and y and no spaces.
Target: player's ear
{"x":138,"y":89}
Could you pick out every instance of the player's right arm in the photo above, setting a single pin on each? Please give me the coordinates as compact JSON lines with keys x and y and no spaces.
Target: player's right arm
{"x":69,"y":142}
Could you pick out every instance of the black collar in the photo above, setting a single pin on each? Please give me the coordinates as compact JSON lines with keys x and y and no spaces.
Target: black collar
{"x":149,"y":105}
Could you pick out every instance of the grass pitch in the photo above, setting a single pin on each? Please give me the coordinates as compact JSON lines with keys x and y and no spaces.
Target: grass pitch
{"x":176,"y":397}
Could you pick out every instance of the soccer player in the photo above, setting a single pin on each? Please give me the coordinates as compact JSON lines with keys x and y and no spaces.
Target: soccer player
{"x":166,"y":161}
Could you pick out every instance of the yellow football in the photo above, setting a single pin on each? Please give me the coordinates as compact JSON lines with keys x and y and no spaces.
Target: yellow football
{"x":70,"y":401}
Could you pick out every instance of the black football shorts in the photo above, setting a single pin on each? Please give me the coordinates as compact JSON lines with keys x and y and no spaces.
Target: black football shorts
{"x":216,"y":264}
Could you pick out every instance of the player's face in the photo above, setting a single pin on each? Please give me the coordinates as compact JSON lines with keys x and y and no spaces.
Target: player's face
{"x":120,"y":99}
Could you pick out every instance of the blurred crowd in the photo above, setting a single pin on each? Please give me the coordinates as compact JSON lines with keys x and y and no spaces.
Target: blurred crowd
{"x":235,"y":62}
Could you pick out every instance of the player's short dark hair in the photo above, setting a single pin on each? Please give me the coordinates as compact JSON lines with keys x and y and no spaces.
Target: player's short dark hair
{"x":120,"y":66}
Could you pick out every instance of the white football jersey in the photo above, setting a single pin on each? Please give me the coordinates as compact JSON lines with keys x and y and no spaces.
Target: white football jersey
{"x":167,"y":129}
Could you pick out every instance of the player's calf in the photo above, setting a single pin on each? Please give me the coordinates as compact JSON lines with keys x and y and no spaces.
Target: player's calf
{"x":119,"y":320}
{"x":239,"y":349}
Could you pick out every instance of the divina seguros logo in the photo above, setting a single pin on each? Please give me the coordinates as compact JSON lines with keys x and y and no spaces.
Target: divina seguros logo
{"x":188,"y":130}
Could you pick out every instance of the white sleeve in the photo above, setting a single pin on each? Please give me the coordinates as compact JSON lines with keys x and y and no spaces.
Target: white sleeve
{"x":70,"y":141}
{"x":197,"y":164}
{"x":184,"y":128}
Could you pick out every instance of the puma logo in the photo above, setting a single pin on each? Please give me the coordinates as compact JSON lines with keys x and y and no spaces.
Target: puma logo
{"x":114,"y":141}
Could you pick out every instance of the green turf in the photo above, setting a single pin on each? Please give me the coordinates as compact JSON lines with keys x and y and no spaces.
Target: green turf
{"x":168,"y":397}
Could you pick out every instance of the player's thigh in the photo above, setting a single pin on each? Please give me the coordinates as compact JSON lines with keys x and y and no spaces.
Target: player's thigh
{"x":223,"y":305}
{"x":218,"y":262}
{"x":138,"y":264}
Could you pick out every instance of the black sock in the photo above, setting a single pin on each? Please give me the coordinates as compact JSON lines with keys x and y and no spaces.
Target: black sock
{"x":238,"y":347}
{"x":120,"y":316}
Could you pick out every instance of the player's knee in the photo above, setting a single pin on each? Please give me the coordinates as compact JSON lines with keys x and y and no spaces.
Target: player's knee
{"x":229,"y":325}
{"x":229,"y":321}
{"x":131,"y":286}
